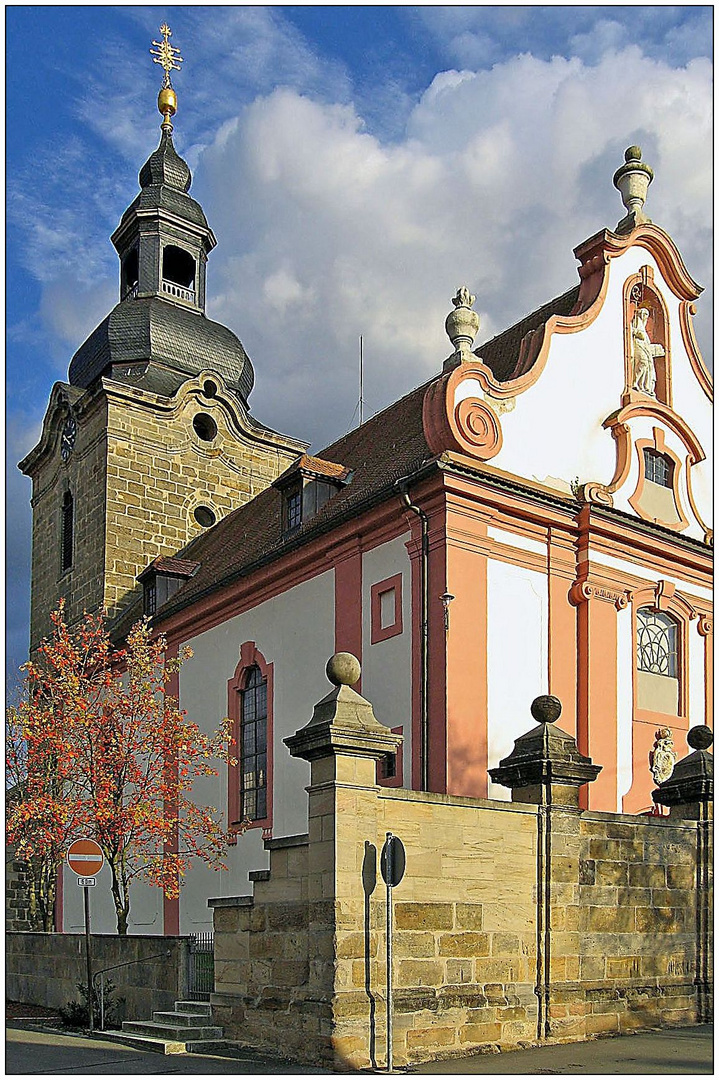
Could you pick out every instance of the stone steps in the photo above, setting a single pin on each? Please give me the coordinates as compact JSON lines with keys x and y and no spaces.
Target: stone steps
{"x":173,"y":1032}
{"x":187,"y":1029}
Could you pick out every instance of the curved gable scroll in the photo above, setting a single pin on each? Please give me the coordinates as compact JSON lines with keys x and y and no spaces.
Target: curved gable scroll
{"x":456,"y":416}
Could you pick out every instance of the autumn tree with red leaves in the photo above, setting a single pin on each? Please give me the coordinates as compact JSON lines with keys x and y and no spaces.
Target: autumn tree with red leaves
{"x":100,"y":747}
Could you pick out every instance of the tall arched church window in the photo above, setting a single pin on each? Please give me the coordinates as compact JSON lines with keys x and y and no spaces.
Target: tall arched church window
{"x":253,"y":748}
{"x":250,"y":707}
{"x":658,"y":669}
{"x":67,"y":529}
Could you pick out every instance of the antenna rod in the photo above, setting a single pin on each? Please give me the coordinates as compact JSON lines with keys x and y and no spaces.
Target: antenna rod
{"x":361,"y":382}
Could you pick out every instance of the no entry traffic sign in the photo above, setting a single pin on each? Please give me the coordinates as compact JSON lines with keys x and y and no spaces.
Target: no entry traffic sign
{"x":85,"y":857}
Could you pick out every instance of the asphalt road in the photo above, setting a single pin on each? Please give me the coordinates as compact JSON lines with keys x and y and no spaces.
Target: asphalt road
{"x":658,"y":1053}
{"x":40,"y":1053}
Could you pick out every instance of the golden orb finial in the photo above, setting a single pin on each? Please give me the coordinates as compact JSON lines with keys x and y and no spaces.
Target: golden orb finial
{"x":169,"y":59}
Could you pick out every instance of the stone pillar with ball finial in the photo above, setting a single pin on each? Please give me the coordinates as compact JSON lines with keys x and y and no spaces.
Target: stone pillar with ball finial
{"x":545,"y":766}
{"x":343,"y":742}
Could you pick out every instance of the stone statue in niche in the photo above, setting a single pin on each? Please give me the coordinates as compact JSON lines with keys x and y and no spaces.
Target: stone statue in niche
{"x":644,"y":376}
{"x":663,"y":756}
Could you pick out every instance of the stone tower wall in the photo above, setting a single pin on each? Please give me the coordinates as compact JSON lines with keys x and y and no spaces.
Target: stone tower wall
{"x":84,"y":475}
{"x":137,"y":472}
{"x":159,"y":471}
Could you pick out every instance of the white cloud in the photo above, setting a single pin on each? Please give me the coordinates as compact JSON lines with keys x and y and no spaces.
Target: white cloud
{"x":326,"y":233}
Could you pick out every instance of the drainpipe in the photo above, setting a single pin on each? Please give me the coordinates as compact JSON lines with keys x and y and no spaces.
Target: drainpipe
{"x":402,"y":487}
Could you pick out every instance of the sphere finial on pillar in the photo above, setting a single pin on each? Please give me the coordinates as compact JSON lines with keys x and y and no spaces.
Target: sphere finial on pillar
{"x":343,"y":669}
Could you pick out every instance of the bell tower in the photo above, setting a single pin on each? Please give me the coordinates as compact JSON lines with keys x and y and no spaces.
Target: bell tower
{"x":151,"y":439}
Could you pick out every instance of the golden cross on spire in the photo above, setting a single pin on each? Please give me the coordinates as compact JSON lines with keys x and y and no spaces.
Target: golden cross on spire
{"x":166,"y":55}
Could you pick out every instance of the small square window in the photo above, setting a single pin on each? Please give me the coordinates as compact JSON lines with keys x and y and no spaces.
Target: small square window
{"x":387,"y":601}
{"x":658,"y":468}
{"x":386,"y":609}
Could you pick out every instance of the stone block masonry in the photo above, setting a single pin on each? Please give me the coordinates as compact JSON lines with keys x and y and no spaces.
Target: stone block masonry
{"x":515,"y":923}
{"x":44,"y":969}
{"x":138,"y":471}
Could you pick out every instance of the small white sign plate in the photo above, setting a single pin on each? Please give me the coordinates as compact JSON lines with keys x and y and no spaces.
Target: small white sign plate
{"x":86,"y":882}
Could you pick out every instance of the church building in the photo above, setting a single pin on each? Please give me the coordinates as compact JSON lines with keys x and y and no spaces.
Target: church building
{"x":534,"y":519}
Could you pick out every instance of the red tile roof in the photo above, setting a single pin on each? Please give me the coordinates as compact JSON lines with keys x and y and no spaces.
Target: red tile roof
{"x":383,"y":450}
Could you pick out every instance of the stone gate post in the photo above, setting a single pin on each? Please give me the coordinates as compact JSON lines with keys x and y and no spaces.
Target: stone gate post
{"x":342,"y":742}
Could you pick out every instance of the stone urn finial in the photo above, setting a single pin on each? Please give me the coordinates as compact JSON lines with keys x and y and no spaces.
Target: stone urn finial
{"x":632,"y":181}
{"x":462,"y":324}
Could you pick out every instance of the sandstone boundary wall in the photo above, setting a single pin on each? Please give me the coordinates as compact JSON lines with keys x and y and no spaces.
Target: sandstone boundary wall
{"x":515,"y":923}
{"x":44,"y":969}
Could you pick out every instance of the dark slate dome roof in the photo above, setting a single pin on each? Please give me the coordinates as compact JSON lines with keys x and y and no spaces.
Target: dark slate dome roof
{"x":164,"y":182}
{"x":156,"y":330}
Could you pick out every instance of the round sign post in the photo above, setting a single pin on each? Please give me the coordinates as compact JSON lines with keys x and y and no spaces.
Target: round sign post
{"x":85,"y":858}
{"x":392,"y":865}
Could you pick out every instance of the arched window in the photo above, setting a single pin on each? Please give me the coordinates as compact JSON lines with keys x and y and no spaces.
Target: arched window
{"x":658,"y":667}
{"x":250,"y":707}
{"x":253,"y":747}
{"x":178,"y":266}
{"x":656,"y":642}
{"x":67,"y":529}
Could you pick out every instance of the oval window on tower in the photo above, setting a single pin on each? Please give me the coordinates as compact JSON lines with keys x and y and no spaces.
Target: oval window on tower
{"x":205,"y":427}
{"x":204,"y":516}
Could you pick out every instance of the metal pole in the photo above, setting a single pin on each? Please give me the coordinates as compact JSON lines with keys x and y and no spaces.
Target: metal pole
{"x":390,"y":869}
{"x":361,"y":382}
{"x":86,"y":891}
{"x":102,"y":1001}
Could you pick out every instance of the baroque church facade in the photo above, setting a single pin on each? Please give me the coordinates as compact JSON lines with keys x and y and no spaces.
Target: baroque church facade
{"x":532,"y":520}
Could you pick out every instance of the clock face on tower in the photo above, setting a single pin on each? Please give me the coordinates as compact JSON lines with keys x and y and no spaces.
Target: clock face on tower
{"x":67,"y":441}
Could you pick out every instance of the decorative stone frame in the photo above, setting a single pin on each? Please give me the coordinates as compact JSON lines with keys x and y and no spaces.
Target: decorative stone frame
{"x":250,"y":657}
{"x":377,"y":631}
{"x":663,"y":597}
{"x":658,"y":330}
{"x":635,"y":500}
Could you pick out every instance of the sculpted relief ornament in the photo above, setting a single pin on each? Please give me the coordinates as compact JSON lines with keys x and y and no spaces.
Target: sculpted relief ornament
{"x":644,"y":377}
{"x":663,"y":756}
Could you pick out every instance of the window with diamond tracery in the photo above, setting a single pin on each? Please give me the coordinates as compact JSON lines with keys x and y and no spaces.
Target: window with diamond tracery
{"x":656,"y":642}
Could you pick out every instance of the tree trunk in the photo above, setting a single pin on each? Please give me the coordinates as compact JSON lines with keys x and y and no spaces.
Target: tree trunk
{"x":121,"y":898}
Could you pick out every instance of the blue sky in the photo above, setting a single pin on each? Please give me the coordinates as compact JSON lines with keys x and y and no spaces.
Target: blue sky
{"x":357,"y":164}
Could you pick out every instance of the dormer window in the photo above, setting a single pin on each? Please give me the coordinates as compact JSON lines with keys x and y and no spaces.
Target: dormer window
{"x":293,"y":509}
{"x":306,"y":486}
{"x":161,"y":580}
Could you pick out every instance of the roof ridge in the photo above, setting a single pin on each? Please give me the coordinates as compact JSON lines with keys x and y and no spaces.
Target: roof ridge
{"x":376,"y":416}
{"x":530,"y":314}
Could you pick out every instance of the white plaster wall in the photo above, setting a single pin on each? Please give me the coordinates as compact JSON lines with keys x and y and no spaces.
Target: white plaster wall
{"x":625,"y":664}
{"x":387,"y":666}
{"x":295,"y":632}
{"x":517,"y":622}
{"x":581,"y":386}
{"x":145,"y":906}
{"x":697,"y":701}
{"x":647,"y":574}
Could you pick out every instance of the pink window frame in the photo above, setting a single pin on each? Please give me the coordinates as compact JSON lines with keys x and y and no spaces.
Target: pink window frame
{"x":377,"y":631}
{"x":250,"y":656}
